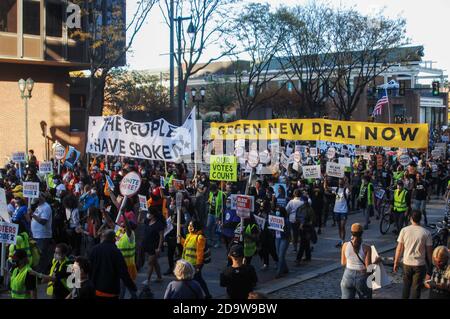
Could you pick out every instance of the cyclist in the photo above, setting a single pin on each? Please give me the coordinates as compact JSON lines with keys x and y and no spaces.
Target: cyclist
{"x":400,"y":205}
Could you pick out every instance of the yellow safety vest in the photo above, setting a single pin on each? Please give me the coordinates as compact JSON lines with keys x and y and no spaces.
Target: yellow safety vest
{"x":400,"y":201}
{"x":22,"y":242}
{"x":249,"y":244}
{"x":52,"y":270}
{"x":18,"y":289}
{"x":190,"y":249}
{"x":127,"y":248}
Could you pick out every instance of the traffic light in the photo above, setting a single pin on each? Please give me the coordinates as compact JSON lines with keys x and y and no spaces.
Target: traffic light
{"x":436,"y":88}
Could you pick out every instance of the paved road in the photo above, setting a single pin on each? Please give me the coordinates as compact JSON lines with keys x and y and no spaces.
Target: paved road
{"x":324,"y":265}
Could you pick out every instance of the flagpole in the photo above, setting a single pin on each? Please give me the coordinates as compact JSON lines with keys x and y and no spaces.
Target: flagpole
{"x":389,"y":106}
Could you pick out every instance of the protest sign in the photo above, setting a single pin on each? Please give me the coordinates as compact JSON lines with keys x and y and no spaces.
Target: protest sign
{"x":331,"y":153}
{"x":436,"y":153}
{"x":323,"y":147}
{"x":345,"y":161}
{"x":178,"y":184}
{"x":143,"y":203}
{"x":223,"y":168}
{"x":158,"y":140}
{"x":4,"y":206}
{"x":379,"y":193}
{"x":261,"y":222}
{"x":276,"y":223}
{"x":344,"y":132}
{"x":110,"y":182}
{"x":311,"y":171}
{"x":72,"y":157}
{"x":379,"y":277}
{"x":60,"y":152}
{"x":161,"y":182}
{"x":18,"y":157}
{"x":239,"y":143}
{"x":264,"y":157}
{"x":296,"y":167}
{"x":46,"y":167}
{"x":404,"y":160}
{"x":280,"y":193}
{"x":169,"y":226}
{"x":8,"y":233}
{"x":239,"y":152}
{"x":130,"y":184}
{"x":313,"y":151}
{"x":218,"y":147}
{"x":297,"y":157}
{"x":244,"y":205}
{"x":30,"y":190}
{"x":284,"y":161}
{"x":445,"y":138}
{"x":335,"y":170}
{"x":253,"y":158}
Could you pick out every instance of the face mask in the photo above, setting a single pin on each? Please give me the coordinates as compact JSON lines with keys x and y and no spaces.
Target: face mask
{"x":57,"y":256}
{"x":278,"y":213}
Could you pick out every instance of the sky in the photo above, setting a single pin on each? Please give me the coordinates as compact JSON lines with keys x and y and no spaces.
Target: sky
{"x":426,"y":25}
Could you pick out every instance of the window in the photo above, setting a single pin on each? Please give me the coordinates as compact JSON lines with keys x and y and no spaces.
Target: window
{"x":54,"y":17}
{"x":31,"y":17}
{"x":399,"y":110}
{"x":77,"y":112}
{"x":8,"y":16}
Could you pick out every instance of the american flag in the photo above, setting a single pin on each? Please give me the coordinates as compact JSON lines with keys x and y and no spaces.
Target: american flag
{"x":381,"y":102}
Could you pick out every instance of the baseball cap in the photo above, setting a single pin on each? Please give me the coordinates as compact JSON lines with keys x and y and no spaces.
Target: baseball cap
{"x":237,"y":251}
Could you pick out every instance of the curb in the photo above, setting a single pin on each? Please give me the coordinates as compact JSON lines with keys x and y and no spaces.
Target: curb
{"x":270,"y":288}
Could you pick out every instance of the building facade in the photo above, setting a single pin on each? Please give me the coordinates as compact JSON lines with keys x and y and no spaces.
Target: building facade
{"x":37,"y":41}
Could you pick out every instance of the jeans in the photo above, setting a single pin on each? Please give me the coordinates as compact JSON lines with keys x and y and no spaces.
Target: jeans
{"x":413,"y":277}
{"x":45,"y":249}
{"x":355,"y":282}
{"x":305,"y":244}
{"x":421,"y":205}
{"x":295,"y":234}
{"x":367,"y":211}
{"x":399,"y":219}
{"x":211,"y":229}
{"x":281,"y":247}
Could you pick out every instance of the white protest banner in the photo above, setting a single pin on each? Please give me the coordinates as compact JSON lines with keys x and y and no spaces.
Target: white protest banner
{"x":345,"y":161}
{"x":169,"y":226}
{"x":244,"y":205}
{"x":311,"y":171}
{"x":18,"y":157}
{"x":8,"y":233}
{"x":158,"y":140}
{"x":313,"y":151}
{"x":143,"y":203}
{"x":130,"y":184}
{"x":261,"y":222}
{"x":30,"y":190}
{"x":335,"y":170}
{"x":276,"y":223}
{"x":4,"y":206}
{"x":331,"y":153}
{"x":404,"y":160}
{"x":45,"y":167}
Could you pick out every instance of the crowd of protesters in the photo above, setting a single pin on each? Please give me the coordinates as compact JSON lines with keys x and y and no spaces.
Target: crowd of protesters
{"x":81,"y":220}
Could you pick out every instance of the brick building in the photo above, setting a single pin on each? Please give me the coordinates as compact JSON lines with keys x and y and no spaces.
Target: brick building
{"x":36,"y":43}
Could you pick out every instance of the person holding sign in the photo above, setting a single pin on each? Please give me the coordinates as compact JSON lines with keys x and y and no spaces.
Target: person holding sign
{"x":41,"y":228}
{"x":341,"y":209}
{"x":23,"y":284}
{"x":230,"y":221}
{"x":282,"y":242}
{"x":215,"y":200}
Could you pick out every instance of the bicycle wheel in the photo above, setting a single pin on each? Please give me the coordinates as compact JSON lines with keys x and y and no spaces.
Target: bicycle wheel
{"x":385,"y":223}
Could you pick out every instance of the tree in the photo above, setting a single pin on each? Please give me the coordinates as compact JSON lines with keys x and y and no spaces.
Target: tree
{"x":105,"y":33}
{"x":366,"y":47}
{"x":284,"y":104}
{"x":208,"y":20}
{"x":220,"y":96}
{"x":135,"y":91}
{"x":256,"y":36}
{"x":307,"y":52}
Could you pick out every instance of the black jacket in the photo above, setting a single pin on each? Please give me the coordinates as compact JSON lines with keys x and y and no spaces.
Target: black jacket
{"x":108,"y":268}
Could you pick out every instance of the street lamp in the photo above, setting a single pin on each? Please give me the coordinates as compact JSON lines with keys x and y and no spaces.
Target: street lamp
{"x":197,"y":100}
{"x":26,"y":87}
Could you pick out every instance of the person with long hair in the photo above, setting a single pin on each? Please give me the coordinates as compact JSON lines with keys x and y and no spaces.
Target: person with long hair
{"x":356,"y":258}
{"x":153,"y":242}
{"x":282,"y":242}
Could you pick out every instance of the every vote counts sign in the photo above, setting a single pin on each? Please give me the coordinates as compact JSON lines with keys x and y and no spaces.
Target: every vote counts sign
{"x":30,"y":190}
{"x":223,"y":168}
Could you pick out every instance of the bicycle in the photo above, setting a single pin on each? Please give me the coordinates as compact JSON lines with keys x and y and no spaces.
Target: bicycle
{"x":384,"y":210}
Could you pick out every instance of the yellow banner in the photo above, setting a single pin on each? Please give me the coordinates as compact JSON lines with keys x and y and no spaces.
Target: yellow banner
{"x":343,"y":132}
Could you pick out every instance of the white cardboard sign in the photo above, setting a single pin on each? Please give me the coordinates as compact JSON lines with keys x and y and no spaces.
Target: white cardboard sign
{"x":45,"y":167}
{"x":8,"y":233}
{"x":4,"y":206}
{"x":130,"y":184}
{"x":276,"y":223}
{"x":18,"y":157}
{"x":312,"y":171}
{"x":335,"y":170}
{"x":30,"y":190}
{"x":143,"y":203}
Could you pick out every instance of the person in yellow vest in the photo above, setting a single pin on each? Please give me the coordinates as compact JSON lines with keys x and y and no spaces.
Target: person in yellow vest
{"x":22,"y":242}
{"x":126,"y":242}
{"x":23,"y":282}
{"x":57,"y":279}
{"x":400,"y":205}
{"x":194,"y":252}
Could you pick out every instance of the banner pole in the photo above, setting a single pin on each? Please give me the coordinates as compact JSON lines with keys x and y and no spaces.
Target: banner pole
{"x":59,"y":167}
{"x":3,"y":263}
{"x":122,"y":205}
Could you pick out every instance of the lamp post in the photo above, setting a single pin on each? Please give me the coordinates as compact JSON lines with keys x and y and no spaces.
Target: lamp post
{"x":26,"y":87}
{"x":198,"y":100}
{"x":191,"y":32}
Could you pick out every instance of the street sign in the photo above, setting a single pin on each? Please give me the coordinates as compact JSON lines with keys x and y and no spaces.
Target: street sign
{"x":130,"y":184}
